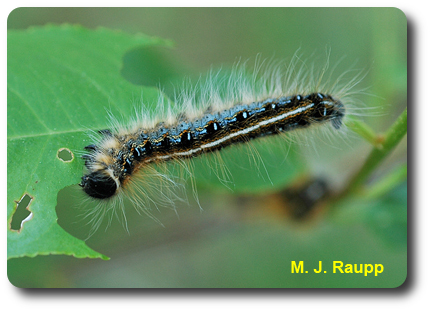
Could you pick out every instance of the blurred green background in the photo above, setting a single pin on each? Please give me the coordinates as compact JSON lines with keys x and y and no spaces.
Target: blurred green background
{"x":233,"y":243}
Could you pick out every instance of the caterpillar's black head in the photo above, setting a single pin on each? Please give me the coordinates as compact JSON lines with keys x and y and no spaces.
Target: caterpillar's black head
{"x":99,"y":185}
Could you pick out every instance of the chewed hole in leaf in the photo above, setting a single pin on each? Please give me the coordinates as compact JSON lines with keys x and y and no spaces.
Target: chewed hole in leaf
{"x":22,"y":213}
{"x":65,"y":155}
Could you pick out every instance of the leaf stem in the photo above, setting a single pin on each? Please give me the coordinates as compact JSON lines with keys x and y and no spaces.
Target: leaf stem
{"x":365,"y":131}
{"x":388,"y":141}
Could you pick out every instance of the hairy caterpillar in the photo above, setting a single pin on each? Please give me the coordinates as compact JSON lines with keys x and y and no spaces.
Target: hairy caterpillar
{"x":274,"y":99}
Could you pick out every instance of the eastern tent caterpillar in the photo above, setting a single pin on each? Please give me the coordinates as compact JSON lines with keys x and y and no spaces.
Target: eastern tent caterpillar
{"x":274,"y":99}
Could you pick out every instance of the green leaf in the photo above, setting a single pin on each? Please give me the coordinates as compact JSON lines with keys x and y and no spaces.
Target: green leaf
{"x":62,"y":80}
